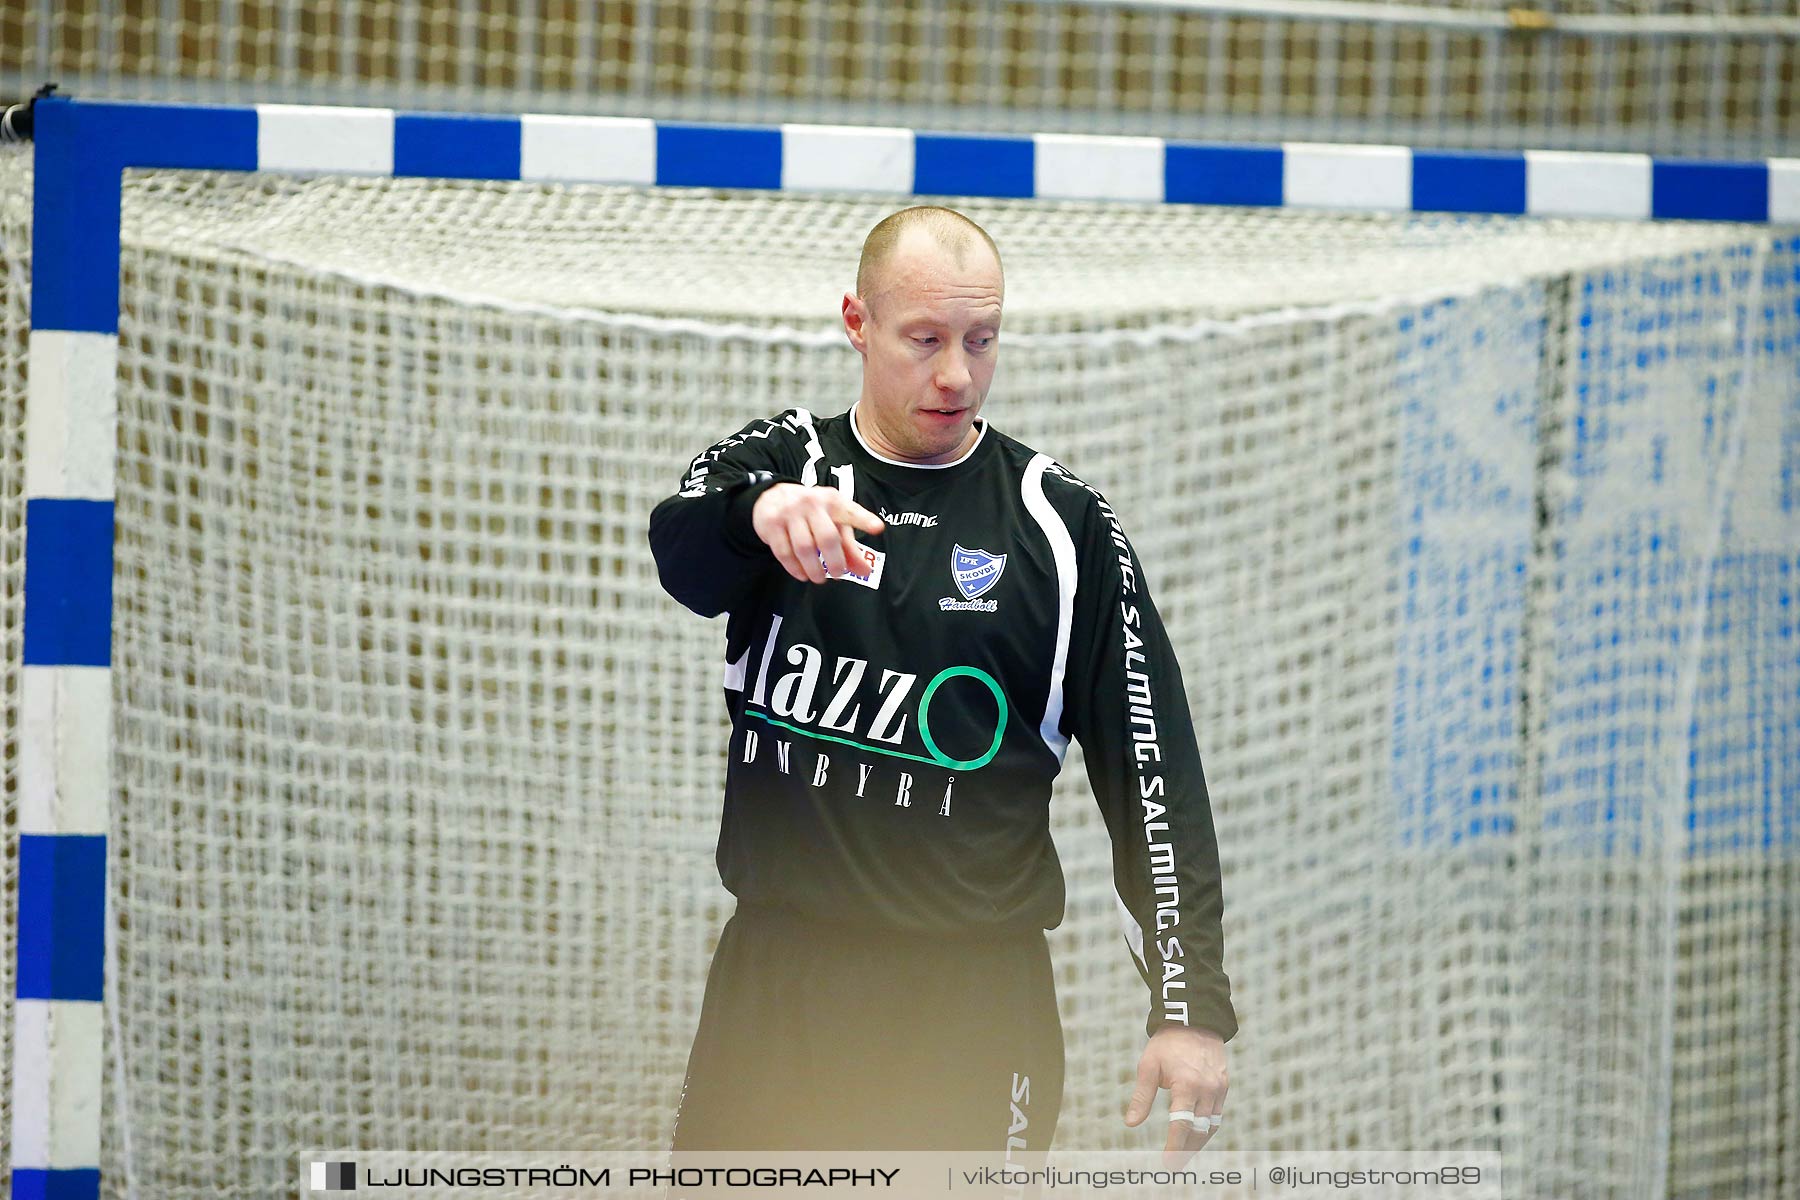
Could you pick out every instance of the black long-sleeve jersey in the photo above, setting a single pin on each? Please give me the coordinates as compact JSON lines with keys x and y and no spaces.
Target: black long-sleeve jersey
{"x":895,"y":736}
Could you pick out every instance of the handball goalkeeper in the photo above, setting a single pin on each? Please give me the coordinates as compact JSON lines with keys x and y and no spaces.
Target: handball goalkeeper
{"x":923,"y":613}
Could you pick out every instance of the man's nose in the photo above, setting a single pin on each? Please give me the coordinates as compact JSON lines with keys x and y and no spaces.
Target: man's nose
{"x":953,"y":371}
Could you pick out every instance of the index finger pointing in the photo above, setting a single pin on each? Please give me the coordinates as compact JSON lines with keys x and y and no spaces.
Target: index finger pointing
{"x":859,"y":517}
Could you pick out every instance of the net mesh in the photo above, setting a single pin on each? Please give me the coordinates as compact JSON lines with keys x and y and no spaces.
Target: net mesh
{"x":1666,"y":76}
{"x":1476,"y":538}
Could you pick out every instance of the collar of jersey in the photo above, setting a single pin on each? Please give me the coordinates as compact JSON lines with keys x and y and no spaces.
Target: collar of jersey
{"x":981,"y":436}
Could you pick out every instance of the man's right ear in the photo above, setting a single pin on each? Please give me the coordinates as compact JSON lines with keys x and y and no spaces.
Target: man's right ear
{"x":856,"y":322}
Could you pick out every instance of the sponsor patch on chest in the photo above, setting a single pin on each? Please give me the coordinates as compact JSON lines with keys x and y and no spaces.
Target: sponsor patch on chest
{"x":874,"y":562}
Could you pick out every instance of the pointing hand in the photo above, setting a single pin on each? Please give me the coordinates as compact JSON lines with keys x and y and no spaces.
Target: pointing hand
{"x":811,"y":531}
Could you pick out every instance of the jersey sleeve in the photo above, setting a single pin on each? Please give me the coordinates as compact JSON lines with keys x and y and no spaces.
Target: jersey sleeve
{"x":707,"y":553}
{"x":1127,"y":706}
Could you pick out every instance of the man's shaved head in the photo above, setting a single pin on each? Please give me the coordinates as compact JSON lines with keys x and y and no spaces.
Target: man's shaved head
{"x":951,"y":231}
{"x":928,"y":361}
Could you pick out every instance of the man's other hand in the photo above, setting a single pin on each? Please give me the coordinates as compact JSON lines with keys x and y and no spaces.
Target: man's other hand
{"x":1190,"y":1063}
{"x":803,"y":525}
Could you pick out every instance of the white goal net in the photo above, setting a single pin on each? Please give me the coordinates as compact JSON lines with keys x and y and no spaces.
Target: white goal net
{"x":1478,"y":539}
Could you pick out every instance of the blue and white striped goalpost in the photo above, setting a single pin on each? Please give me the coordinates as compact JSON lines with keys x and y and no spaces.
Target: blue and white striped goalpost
{"x":82,"y":148}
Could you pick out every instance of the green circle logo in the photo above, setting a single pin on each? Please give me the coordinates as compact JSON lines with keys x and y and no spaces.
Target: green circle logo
{"x":937,"y":755}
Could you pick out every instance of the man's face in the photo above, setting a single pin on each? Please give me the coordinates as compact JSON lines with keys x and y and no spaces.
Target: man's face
{"x":929,"y":337}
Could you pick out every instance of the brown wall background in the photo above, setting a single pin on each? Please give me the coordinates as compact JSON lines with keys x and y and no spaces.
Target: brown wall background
{"x":1723,"y":87}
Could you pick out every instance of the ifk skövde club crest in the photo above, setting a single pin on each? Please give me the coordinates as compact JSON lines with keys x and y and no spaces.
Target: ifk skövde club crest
{"x":975,"y":570}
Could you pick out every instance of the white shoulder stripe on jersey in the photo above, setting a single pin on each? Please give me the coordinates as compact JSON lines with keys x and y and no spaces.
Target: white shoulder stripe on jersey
{"x":809,"y":474}
{"x":735,"y":672}
{"x":1134,"y":933}
{"x":1062,"y":552}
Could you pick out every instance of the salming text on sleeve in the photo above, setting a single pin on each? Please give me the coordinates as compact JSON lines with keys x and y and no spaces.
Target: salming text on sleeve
{"x":1130,"y":714}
